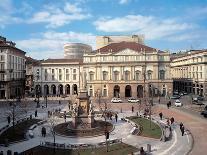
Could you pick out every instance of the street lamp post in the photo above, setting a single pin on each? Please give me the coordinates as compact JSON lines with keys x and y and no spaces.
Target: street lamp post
{"x":38,"y":91}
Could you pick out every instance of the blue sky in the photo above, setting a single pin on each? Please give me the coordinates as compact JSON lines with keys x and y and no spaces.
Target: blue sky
{"x":42,"y":27}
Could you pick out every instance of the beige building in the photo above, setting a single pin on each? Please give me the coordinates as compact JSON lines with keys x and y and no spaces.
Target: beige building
{"x":102,"y":41}
{"x":189,"y":72}
{"x":12,"y":70}
{"x":54,"y":77}
{"x":118,"y":70}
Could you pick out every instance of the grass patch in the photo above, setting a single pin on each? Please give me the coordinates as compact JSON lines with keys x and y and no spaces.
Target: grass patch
{"x":116,"y":149}
{"x":153,"y":132}
{"x":19,"y":131}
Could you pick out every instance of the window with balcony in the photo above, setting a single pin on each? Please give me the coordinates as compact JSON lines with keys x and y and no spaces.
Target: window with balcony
{"x":137,"y":75}
{"x":126,"y":75}
{"x":60,"y":77}
{"x":105,"y":75}
{"x":149,"y":75}
{"x":162,"y":74}
{"x":91,"y":76}
{"x":116,"y":76}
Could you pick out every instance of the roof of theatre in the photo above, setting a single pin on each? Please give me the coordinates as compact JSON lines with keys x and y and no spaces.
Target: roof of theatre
{"x":116,"y":47}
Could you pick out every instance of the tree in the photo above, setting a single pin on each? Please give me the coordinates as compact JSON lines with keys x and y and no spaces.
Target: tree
{"x":52,"y":123}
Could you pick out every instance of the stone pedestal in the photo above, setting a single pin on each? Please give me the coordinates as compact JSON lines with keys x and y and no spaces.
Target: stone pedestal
{"x":84,"y":116}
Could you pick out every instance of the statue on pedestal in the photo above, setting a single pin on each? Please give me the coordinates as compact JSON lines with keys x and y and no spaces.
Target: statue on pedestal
{"x":83,"y":80}
{"x":91,"y":107}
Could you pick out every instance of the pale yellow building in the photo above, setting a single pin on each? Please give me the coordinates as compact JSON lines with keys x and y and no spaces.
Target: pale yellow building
{"x":189,"y":72}
{"x":118,"y":69}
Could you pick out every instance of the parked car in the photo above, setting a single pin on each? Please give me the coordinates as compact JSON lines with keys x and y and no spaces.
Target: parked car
{"x":197,"y":102}
{"x":204,"y":113}
{"x":176,"y":93}
{"x":205,"y":108}
{"x":133,"y":100}
{"x":178,"y":103}
{"x":200,"y":98}
{"x":116,"y":100}
{"x":175,"y":97}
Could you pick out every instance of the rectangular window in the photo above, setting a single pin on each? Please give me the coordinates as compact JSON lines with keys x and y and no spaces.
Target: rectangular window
{"x":74,"y":71}
{"x":53,"y":77}
{"x":127,"y":58}
{"x":60,"y":71}
{"x":116,"y":58}
{"x":53,"y":71}
{"x":105,"y":93}
{"x":74,"y":76}
{"x":60,"y":77}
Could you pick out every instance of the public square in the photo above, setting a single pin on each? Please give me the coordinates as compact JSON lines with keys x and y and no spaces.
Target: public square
{"x":190,"y":142}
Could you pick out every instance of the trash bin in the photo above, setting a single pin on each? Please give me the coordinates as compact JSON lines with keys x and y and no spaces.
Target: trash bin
{"x":148,"y":148}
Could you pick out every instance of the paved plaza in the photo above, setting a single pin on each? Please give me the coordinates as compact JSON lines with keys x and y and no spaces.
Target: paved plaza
{"x":177,"y":145}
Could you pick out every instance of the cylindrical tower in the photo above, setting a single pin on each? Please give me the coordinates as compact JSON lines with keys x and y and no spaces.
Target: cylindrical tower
{"x":75,"y":50}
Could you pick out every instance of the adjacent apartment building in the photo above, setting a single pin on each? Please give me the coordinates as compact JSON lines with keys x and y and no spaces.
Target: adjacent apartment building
{"x":12,"y":70}
{"x":189,"y":72}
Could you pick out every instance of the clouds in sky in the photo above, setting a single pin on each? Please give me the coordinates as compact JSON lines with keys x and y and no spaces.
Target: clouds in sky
{"x":152,"y":27}
{"x":56,"y":17}
{"x":50,"y":43}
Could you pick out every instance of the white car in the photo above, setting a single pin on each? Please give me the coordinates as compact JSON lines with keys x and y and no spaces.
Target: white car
{"x":178,"y":103}
{"x":116,"y":100}
{"x":133,"y":100}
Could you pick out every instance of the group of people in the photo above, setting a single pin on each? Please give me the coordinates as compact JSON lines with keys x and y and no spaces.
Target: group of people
{"x":171,"y":121}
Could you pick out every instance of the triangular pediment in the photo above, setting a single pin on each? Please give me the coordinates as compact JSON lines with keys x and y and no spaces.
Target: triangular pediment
{"x":126,"y":51}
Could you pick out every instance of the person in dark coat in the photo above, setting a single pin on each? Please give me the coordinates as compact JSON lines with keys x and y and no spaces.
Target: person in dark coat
{"x":132,"y":109}
{"x":181,"y":125}
{"x":116,"y":117}
{"x":182,"y":130}
{"x":9,"y":119}
{"x":172,"y":120}
{"x":160,"y":114}
{"x":35,"y":113}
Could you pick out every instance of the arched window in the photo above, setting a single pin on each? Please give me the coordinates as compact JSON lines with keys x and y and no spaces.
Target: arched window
{"x":105,"y":75}
{"x":149,"y":75}
{"x":162,"y":74}
{"x":105,"y":91}
{"x":127,"y":75}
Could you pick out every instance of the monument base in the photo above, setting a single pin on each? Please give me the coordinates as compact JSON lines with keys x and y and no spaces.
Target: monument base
{"x":83,"y":121}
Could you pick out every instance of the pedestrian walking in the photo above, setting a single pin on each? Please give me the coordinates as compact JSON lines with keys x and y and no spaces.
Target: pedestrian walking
{"x":35,"y":113}
{"x":9,"y":119}
{"x":132,"y":109}
{"x":168,"y":105}
{"x":59,"y":102}
{"x":182,"y":130}
{"x":116,"y":117}
{"x":168,"y":121}
{"x":42,"y":131}
{"x":159,"y":100}
{"x":181,"y":125}
{"x":172,"y":120}
{"x":160,"y":114}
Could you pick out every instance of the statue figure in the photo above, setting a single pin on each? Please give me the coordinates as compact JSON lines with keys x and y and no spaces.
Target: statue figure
{"x":83,"y":80}
{"x":75,"y":110}
{"x":90,"y":107}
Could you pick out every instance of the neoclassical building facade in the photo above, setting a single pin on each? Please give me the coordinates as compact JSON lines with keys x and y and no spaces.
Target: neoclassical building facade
{"x":127,"y":69}
{"x":12,"y":70}
{"x":54,"y":77}
{"x":189,"y":72}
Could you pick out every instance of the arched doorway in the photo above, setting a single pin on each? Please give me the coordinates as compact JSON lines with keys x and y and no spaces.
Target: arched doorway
{"x":164,"y":90}
{"x":46,"y":90}
{"x":53,"y":89}
{"x":75,"y":89}
{"x":116,"y":91}
{"x":128,"y":92}
{"x":38,"y":89}
{"x":60,"y":89}
{"x":139,"y":91}
{"x":67,"y":89}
